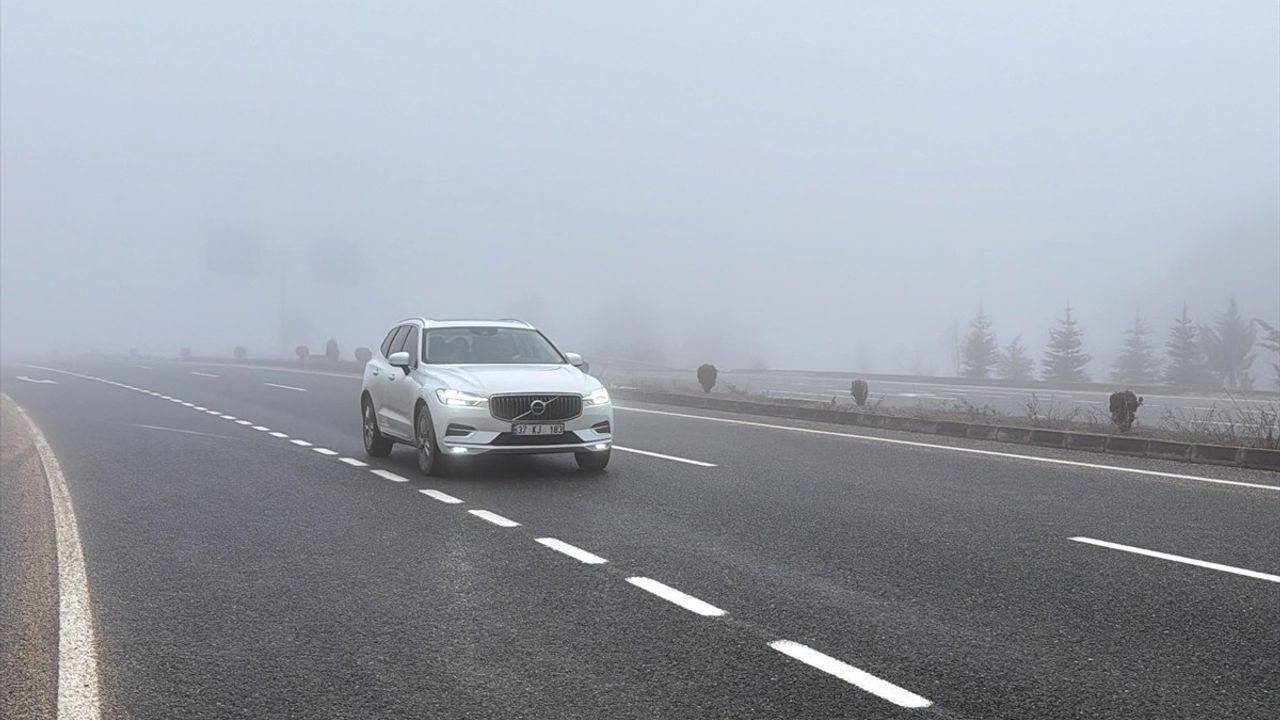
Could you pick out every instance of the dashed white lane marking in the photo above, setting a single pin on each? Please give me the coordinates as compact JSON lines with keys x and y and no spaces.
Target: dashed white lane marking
{"x":353,"y":462}
{"x":277,"y":434}
{"x":441,"y":496}
{"x":670,"y":594}
{"x":494,"y":518}
{"x":227,"y":417}
{"x":388,"y":475}
{"x":244,"y":422}
{"x":203,"y":374}
{"x":673,"y":458}
{"x":572,"y":551}
{"x":1179,"y":559}
{"x":850,"y":674}
{"x":200,"y":408}
{"x":187,"y":404}
{"x":324,"y":451}
{"x":954,"y":448}
{"x":260,"y":428}
{"x":300,"y":443}
{"x":77,"y":654}
{"x":213,"y":412}
{"x":285,"y":387}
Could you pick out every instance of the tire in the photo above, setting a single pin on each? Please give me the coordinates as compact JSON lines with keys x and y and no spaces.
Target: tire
{"x":375,"y":444}
{"x":429,"y":460}
{"x":593,"y":461}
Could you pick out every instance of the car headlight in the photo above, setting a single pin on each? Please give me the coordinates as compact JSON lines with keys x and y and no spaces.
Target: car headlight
{"x":458,"y":398}
{"x":600,"y":396}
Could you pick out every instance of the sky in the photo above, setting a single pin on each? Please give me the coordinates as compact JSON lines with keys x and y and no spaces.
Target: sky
{"x":794,"y":185}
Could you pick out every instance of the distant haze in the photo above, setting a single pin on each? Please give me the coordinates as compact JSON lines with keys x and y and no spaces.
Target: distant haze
{"x":825,"y":186}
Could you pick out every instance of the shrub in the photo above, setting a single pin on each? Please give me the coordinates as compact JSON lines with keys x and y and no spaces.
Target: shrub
{"x":363,"y":355}
{"x":303,"y":352}
{"x":133,"y":353}
{"x":239,"y":352}
{"x":858,"y":389}
{"x":184,"y":353}
{"x":1124,"y":409}
{"x":707,"y":376}
{"x":331,"y":350}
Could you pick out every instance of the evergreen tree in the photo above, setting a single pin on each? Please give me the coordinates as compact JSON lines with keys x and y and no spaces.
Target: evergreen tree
{"x":1064,"y":359}
{"x":1271,"y":341}
{"x":979,"y":353}
{"x":1137,"y":363}
{"x":1014,"y":363}
{"x":1228,"y":345}
{"x":1186,"y":358}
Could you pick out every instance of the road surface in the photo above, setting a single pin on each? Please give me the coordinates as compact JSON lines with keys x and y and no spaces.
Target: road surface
{"x":242,"y":560}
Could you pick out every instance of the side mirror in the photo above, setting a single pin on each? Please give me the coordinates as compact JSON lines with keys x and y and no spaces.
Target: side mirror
{"x":576,"y":360}
{"x":400,"y":360}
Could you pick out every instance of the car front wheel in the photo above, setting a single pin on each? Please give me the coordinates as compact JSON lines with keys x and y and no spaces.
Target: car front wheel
{"x":429,"y":460}
{"x":593,"y":461}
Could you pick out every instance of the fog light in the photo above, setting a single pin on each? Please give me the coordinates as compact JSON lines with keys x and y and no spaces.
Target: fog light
{"x":458,"y":451}
{"x":602,"y":446}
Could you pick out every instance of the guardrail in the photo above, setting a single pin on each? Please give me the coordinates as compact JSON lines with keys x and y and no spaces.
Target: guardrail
{"x":1258,"y":458}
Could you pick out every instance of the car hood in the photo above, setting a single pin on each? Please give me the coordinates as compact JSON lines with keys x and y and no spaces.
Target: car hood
{"x":499,"y":379}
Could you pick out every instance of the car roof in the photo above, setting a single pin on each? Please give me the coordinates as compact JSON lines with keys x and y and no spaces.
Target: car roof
{"x":439,"y":323}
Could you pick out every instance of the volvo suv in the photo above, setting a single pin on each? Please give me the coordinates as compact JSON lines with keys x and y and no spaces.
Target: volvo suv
{"x":454,"y":388}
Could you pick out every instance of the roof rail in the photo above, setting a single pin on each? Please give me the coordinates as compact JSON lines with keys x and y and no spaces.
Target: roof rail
{"x":518,"y":320}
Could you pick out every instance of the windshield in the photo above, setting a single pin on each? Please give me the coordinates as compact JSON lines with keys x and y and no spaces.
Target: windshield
{"x":488,"y":345}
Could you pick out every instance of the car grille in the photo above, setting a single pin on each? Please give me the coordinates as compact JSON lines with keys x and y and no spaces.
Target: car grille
{"x":513,"y":407}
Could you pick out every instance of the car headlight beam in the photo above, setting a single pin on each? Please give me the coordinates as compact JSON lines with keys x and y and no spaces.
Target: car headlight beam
{"x":599,"y":396}
{"x":458,"y":398}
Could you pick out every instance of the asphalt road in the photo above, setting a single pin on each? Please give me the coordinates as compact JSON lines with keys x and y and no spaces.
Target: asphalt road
{"x":234,"y":573}
{"x":1205,"y":410}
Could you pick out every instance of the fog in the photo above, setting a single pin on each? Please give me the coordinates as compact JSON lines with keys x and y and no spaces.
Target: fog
{"x":794,"y":185}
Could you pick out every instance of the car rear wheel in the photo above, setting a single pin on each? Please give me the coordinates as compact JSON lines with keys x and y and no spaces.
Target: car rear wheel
{"x":593,"y":461}
{"x":429,"y":460}
{"x":375,"y":444}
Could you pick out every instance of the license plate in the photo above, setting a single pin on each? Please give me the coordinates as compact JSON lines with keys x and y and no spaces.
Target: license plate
{"x":543,"y":429}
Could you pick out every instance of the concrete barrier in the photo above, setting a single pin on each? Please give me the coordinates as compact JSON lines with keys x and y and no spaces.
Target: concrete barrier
{"x":1259,"y":458}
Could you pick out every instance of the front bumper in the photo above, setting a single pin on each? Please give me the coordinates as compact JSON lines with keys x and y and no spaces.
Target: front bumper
{"x":462,"y":431}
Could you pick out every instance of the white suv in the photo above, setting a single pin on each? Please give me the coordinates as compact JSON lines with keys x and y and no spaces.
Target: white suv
{"x":453,"y":388}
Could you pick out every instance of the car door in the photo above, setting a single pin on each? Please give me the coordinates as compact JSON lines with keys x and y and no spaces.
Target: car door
{"x":384,"y":382}
{"x":402,"y":391}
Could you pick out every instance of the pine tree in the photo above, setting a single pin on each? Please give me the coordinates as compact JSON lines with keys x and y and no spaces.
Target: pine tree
{"x":1228,"y":345}
{"x":1014,"y":363}
{"x":1136,"y":364}
{"x":1064,"y":360}
{"x":1186,"y":358}
{"x":1271,"y":341}
{"x":979,"y":353}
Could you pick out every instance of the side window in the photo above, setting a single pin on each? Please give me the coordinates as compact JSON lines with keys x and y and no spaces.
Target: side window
{"x":397,"y":342}
{"x":386,"y":344}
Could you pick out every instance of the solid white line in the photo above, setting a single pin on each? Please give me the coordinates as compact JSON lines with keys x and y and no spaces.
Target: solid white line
{"x":494,"y":518}
{"x":244,"y":422}
{"x":953,"y":448}
{"x":572,"y":551}
{"x":353,"y":462}
{"x":647,"y":453}
{"x":260,"y":428}
{"x":850,"y":674}
{"x":185,"y":432}
{"x":285,"y":387}
{"x":203,"y":374}
{"x":77,"y":654}
{"x":278,"y":434}
{"x":301,"y":443}
{"x":1179,"y":559}
{"x":325,"y":451}
{"x":670,"y":594}
{"x":441,"y":496}
{"x":388,"y":475}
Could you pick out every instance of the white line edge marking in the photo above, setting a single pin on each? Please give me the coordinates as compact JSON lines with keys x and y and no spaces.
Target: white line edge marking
{"x":954,"y":448}
{"x":277,"y":434}
{"x":1179,"y":559}
{"x":285,"y":387}
{"x":572,"y":551}
{"x":494,"y":518}
{"x":325,"y":451}
{"x":203,"y":374}
{"x":77,"y":653}
{"x":176,"y":430}
{"x":388,"y":475}
{"x":672,"y":595}
{"x":300,"y":443}
{"x":648,"y":453}
{"x":850,"y":674}
{"x":441,"y":496}
{"x":353,"y":462}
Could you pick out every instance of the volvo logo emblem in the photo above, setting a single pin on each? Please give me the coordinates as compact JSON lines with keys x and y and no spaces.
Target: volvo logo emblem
{"x":537,"y":407}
